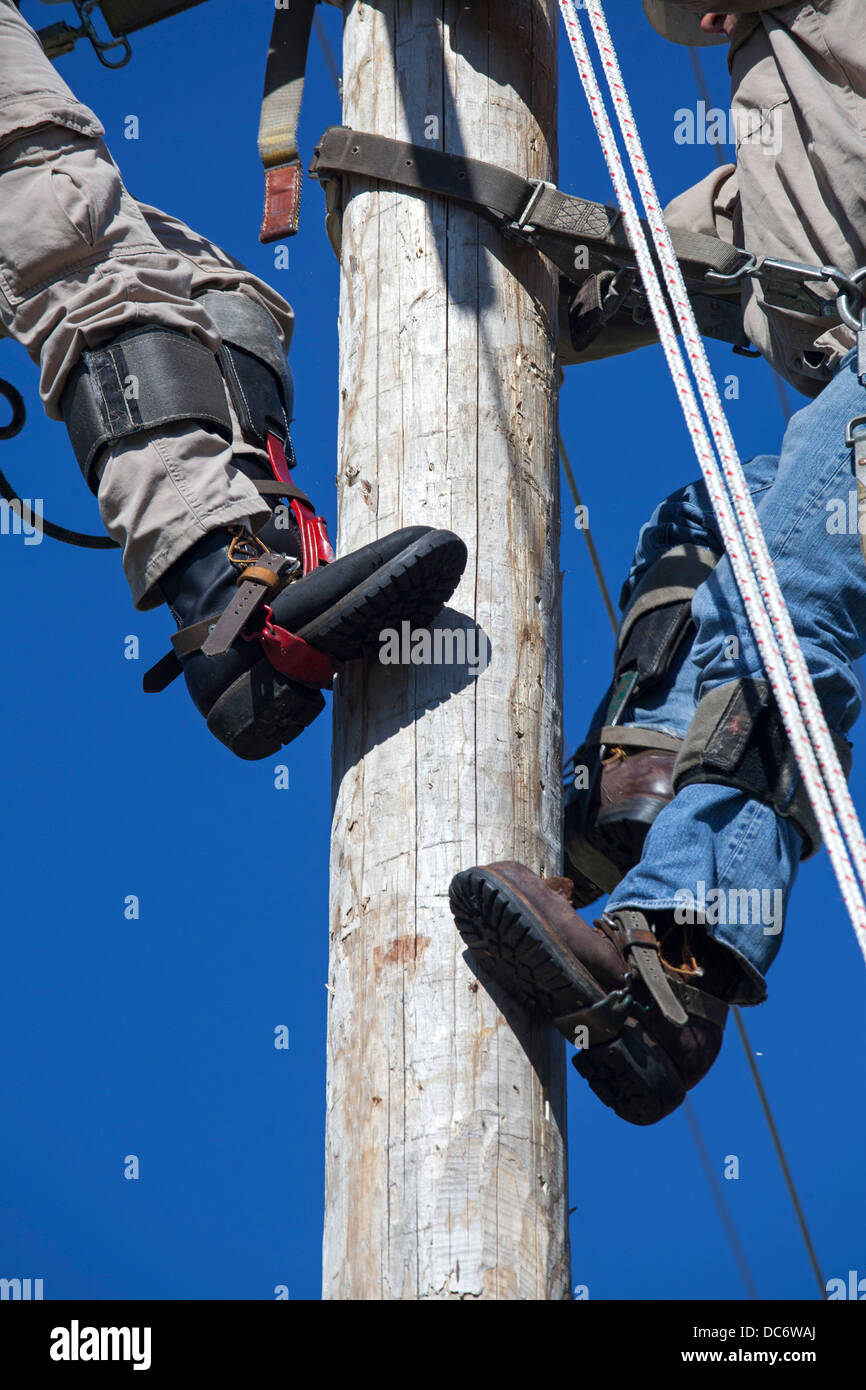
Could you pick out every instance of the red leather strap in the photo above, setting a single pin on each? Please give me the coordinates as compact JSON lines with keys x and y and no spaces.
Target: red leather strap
{"x":295,"y":658}
{"x":277,"y":458}
{"x":317,"y":548}
{"x":282,"y":201}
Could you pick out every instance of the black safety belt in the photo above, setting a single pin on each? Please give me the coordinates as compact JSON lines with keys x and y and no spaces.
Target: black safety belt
{"x":558,"y":223}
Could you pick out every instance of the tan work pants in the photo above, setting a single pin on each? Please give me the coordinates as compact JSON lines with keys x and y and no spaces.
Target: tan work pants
{"x":80,"y":261}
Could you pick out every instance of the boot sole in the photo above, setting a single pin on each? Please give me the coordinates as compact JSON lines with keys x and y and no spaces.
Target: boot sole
{"x":515,"y":948}
{"x":415,"y":585}
{"x":633,"y":1075}
{"x":262,"y":710}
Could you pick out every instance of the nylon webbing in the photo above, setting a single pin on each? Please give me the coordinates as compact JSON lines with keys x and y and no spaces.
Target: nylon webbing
{"x":744,"y":542}
{"x":278,"y":124}
{"x":281,"y":109}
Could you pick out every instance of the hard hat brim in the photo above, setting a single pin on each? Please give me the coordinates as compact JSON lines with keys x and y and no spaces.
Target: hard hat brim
{"x":678,"y":25}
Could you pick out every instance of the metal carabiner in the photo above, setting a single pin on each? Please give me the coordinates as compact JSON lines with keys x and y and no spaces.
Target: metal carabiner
{"x":58,"y":39}
{"x":850,"y":289}
{"x":101,"y":46}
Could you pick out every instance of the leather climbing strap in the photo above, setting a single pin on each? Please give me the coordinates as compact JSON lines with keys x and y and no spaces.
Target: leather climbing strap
{"x":528,"y":208}
{"x":631,"y":933}
{"x":633,"y":736}
{"x":261,"y":574}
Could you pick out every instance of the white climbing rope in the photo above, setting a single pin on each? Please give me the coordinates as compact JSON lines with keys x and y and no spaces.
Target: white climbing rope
{"x":746,"y":548}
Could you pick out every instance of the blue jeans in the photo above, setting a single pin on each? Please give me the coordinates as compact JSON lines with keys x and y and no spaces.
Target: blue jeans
{"x":712,"y":845}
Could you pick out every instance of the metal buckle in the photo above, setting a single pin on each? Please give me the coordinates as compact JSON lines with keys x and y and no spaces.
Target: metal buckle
{"x":521,"y":226}
{"x":716,"y":277}
{"x":852,"y":424}
{"x":784,"y":286}
{"x":606,"y":1019}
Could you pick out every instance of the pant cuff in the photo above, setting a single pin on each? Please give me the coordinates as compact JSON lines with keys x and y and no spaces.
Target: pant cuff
{"x":144,"y":587}
{"x":752,"y":986}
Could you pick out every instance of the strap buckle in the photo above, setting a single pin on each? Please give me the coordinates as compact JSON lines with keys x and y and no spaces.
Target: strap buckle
{"x":717,"y":277}
{"x":603,"y":1021}
{"x":521,"y":228}
{"x":852,"y":439}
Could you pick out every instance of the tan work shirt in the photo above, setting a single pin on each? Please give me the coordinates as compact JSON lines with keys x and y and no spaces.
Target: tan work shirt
{"x":798,"y":190}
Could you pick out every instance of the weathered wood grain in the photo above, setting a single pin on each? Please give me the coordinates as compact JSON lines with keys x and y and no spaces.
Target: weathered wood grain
{"x":446,"y":1165}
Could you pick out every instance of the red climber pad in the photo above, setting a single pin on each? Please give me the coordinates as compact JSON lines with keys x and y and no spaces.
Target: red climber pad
{"x":314,"y":537}
{"x":295,"y":658}
{"x":277,"y":458}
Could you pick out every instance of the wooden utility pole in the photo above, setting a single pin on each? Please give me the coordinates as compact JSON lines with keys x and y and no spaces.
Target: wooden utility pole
{"x":446,"y":1154}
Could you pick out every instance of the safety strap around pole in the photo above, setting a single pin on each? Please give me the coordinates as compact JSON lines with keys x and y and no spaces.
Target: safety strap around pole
{"x":527,"y":206}
{"x":278,"y":126}
{"x":557,"y":223}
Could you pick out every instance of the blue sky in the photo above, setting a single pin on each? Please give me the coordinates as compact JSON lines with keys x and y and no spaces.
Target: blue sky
{"x":154,"y":1036}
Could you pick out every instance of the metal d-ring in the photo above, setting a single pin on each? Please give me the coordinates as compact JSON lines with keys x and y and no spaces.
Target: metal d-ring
{"x":851,"y":287}
{"x":851,"y":427}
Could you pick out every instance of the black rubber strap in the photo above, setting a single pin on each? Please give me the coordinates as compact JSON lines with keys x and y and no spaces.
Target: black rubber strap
{"x":737,"y":739}
{"x":142,"y":380}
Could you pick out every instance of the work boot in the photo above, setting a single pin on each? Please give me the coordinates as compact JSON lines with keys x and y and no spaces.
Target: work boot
{"x":607,"y":821}
{"x":647,"y":1014}
{"x":259,"y":639}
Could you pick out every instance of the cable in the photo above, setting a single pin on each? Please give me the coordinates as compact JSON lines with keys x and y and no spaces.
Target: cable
{"x":780,"y":1153}
{"x":722,"y":1207}
{"x":590,"y":543}
{"x":328,"y":54}
{"x":38,"y":523}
